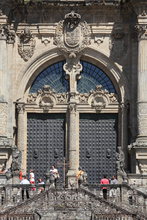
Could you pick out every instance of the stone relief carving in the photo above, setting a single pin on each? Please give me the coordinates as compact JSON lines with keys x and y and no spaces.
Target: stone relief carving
{"x":71,"y":34}
{"x":7,"y":34}
{"x":72,"y":107}
{"x":98,"y":40}
{"x":83,"y":98}
{"x":3,"y":118}
{"x":16,"y":160}
{"x":27,"y":44}
{"x":47,"y":97}
{"x":100,"y":97}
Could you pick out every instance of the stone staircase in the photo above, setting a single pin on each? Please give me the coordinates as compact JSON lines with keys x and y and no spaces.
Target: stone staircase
{"x":76,"y":204}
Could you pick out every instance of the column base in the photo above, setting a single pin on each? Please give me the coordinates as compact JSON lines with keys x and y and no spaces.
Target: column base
{"x":72,"y":181}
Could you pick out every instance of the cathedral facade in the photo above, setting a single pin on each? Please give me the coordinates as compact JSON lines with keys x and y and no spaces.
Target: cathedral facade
{"x":73,"y":89}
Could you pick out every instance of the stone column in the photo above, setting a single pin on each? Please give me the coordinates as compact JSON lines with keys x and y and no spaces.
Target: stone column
{"x":73,"y":68}
{"x":73,"y":144}
{"x":141,"y":142}
{"x":21,"y":139}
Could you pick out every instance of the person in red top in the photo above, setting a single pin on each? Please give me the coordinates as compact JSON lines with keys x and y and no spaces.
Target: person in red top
{"x":104,"y":180}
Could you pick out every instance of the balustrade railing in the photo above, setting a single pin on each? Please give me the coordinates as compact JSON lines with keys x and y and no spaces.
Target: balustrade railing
{"x":120,"y":195}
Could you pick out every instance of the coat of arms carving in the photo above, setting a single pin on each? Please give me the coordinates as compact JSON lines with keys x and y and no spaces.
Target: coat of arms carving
{"x":26,"y":46}
{"x":72,"y":35}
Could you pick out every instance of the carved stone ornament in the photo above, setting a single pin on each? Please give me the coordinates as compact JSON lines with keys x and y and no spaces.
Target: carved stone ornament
{"x":7,"y":34}
{"x":141,"y":30}
{"x":98,"y":40}
{"x":120,"y":163}
{"x":72,"y":35}
{"x":100,"y":98}
{"x":27,"y":44}
{"x":20,"y":107}
{"x":72,"y":107}
{"x":47,"y":97}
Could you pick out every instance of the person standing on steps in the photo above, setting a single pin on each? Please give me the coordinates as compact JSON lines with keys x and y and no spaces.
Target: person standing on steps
{"x":25,"y":188}
{"x":32,"y":179}
{"x":105,"y":181}
{"x":54,"y":175}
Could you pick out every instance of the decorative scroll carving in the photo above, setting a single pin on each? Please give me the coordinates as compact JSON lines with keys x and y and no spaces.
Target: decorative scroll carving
{"x":100,"y":97}
{"x":32,"y":98}
{"x":27,"y":43}
{"x":7,"y":34}
{"x":3,"y":118}
{"x":71,"y":34}
{"x":47,"y":98}
{"x":83,"y":98}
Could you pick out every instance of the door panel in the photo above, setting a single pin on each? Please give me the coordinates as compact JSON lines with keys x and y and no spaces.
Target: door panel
{"x":45,"y":143}
{"x":98,"y":141}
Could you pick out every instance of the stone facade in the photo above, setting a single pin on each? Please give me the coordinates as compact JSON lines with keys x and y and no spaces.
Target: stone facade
{"x":109,"y":35}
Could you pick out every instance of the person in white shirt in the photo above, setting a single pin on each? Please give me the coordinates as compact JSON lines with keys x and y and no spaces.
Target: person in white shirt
{"x":113,"y":190}
{"x":25,"y":182}
{"x":32,"y":179}
{"x":54,"y":175}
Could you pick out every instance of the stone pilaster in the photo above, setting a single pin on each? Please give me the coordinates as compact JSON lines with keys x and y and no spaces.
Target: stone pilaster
{"x":21,"y":139}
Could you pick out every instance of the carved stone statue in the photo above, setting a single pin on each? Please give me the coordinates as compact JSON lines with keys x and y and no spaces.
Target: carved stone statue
{"x":120,"y":164}
{"x":16,"y":160}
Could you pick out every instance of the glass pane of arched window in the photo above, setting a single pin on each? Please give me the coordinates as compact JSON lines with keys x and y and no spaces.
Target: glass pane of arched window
{"x":91,"y":76}
{"x":54,"y":76}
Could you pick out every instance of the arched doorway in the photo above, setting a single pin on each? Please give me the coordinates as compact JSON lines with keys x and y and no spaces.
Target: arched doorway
{"x":48,"y":122}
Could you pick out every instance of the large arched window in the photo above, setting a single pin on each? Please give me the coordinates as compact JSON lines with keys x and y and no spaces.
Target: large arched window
{"x":54,"y":75}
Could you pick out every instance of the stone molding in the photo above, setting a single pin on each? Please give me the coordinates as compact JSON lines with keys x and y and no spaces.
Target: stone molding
{"x":27,"y":44}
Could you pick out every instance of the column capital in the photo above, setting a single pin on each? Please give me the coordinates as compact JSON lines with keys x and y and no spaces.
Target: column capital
{"x":20,"y":107}
{"x":6,"y":33}
{"x":72,"y":107}
{"x":141,"y":30}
